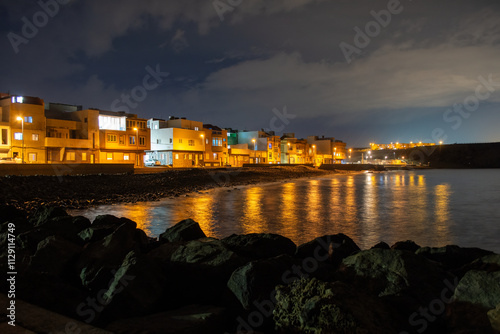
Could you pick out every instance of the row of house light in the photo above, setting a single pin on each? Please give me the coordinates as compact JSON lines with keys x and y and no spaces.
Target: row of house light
{"x":32,"y":131}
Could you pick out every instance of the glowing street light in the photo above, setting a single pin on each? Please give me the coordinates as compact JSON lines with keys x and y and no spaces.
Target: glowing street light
{"x":137,"y":144}
{"x":22,"y":127}
{"x":440,"y":142}
{"x":254,"y":153}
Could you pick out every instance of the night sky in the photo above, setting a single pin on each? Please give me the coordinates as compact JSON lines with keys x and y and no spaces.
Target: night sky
{"x":360,"y":71}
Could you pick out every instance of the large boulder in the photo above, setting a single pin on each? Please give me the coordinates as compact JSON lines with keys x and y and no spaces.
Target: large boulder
{"x":312,"y":306}
{"x":408,"y":245}
{"x":185,"y":230}
{"x":137,"y":287}
{"x":255,"y":282}
{"x":336,"y":246}
{"x":451,"y":256}
{"x":9,"y":212}
{"x":386,"y":272}
{"x":202,"y":268}
{"x":480,"y":288}
{"x":192,"y":319}
{"x":494,"y":317}
{"x":99,"y":259}
{"x":112,"y":221}
{"x":260,"y":245}
{"x":46,"y":213}
{"x":53,"y":256}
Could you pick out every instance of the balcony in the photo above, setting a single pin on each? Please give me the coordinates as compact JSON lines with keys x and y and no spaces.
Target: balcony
{"x":69,"y":143}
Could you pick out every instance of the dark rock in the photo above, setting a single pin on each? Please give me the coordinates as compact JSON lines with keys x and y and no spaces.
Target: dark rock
{"x":112,"y":221}
{"x":165,"y":251}
{"x":46,"y":213}
{"x":463,"y":317}
{"x":479,"y":287}
{"x":96,"y":233}
{"x":20,"y":225}
{"x":137,"y":287}
{"x":312,"y":306}
{"x":337,"y":246}
{"x":260,"y":245}
{"x":185,"y":230}
{"x":494,"y":317}
{"x":407,"y":245}
{"x":451,"y":256}
{"x":255,"y":281}
{"x":203,"y":268}
{"x":381,"y":245}
{"x":394,"y":272}
{"x":9,"y":212}
{"x":51,"y":292}
{"x":192,"y":319}
{"x":99,"y":259}
{"x":53,"y":256}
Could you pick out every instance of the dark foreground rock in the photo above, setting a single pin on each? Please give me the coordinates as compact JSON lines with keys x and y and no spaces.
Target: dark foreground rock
{"x":112,"y":275}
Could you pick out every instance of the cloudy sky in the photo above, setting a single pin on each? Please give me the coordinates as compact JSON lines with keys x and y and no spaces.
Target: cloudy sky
{"x":360,"y":71}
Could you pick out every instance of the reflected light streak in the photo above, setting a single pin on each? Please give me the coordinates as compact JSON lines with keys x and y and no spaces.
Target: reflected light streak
{"x":253,"y":222}
{"x":442,"y":210}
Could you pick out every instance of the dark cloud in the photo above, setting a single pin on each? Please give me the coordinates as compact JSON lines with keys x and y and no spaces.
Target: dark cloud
{"x":265,"y":55}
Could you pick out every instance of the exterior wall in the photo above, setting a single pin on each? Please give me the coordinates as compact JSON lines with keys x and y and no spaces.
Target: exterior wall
{"x":176,"y":147}
{"x":32,"y":110}
{"x":216,"y":155}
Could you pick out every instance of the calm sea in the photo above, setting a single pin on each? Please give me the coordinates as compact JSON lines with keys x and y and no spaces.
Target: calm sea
{"x":431,"y":207}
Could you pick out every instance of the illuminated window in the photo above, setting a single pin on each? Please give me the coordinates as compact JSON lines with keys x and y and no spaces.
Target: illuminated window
{"x":18,"y":136}
{"x":196,"y":128}
{"x":208,"y":156}
{"x":185,"y":156}
{"x":131,"y":140}
{"x":126,"y":157}
{"x":190,"y":157}
{"x":215,"y":156}
{"x":177,"y":156}
{"x":31,"y":157}
{"x":35,"y":137}
{"x":84,"y":156}
{"x":70,"y":156}
{"x":191,"y":142}
{"x":270,"y":146}
{"x":216,"y":141}
{"x":206,"y":141}
{"x":122,"y":139}
{"x":112,"y":123}
{"x":142,"y":141}
{"x":28,"y":119}
{"x":112,"y":138}
{"x":109,"y":156}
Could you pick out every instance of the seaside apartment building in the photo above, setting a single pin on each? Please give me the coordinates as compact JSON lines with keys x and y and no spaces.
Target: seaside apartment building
{"x":216,"y":146}
{"x":36,"y":132}
{"x":178,"y":142}
{"x":327,"y":150}
{"x":262,"y":141}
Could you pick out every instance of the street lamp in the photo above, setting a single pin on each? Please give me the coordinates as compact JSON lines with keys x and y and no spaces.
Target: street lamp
{"x":22,"y":130}
{"x":254,"y":153}
{"x":137,"y":144}
{"x":314,"y":155}
{"x":204,"y":146}
{"x":350,"y":151}
{"x":335,"y":155}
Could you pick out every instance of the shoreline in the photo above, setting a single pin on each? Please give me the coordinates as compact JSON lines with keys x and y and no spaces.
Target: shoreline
{"x":79,"y":192}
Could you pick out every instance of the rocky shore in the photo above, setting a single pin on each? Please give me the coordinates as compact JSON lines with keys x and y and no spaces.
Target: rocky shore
{"x":109,"y":274}
{"x":76,"y":192}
